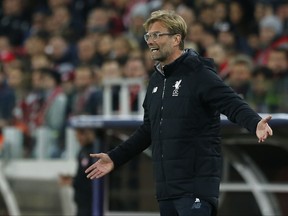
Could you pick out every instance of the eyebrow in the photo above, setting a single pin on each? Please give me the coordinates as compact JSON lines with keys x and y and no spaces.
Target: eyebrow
{"x":153,"y":32}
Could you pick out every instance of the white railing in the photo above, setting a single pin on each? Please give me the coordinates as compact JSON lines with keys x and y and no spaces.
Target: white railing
{"x":124,"y":96}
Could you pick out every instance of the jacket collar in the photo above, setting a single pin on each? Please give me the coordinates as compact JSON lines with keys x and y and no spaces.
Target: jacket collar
{"x":169,"y":68}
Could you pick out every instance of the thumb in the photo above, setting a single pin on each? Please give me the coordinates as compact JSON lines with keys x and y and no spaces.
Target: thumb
{"x":268,"y":118}
{"x":98,"y":155}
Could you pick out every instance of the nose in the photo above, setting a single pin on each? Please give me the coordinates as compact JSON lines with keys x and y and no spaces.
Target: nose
{"x":149,"y":40}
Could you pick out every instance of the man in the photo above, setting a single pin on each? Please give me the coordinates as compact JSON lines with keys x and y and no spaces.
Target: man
{"x":183,"y":103}
{"x":52,"y":112}
{"x":83,"y":189}
{"x":278,"y":92}
{"x":87,"y":99}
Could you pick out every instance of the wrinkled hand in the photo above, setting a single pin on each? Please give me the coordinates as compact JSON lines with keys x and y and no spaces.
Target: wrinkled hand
{"x":263,"y":130}
{"x":101,"y":167}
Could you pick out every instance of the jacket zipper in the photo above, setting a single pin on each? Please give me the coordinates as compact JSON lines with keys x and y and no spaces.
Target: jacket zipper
{"x":160,"y":128}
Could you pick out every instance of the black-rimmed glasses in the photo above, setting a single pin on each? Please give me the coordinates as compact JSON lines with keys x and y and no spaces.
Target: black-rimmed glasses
{"x":156,"y":35}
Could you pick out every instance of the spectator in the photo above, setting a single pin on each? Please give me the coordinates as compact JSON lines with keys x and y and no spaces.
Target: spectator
{"x":17,"y":79}
{"x":29,"y":109}
{"x":281,"y":11}
{"x":52,"y":4}
{"x":86,"y":99}
{"x":241,"y":17}
{"x":278,"y":63}
{"x":86,"y":52}
{"x":111,"y":70}
{"x":221,"y":58}
{"x":35,"y":45}
{"x":168,"y":5}
{"x":60,"y":51}
{"x":38,"y":23}
{"x":7,"y":103}
{"x":240,"y":74}
{"x":97,"y":22}
{"x":121,"y":49}
{"x":79,"y":8}
{"x":187,"y":13}
{"x":207,"y":16}
{"x":5,"y":45}
{"x":220,"y":14}
{"x":104,"y":49}
{"x":134,"y":68}
{"x":71,"y":29}
{"x":270,"y":36}
{"x":138,"y":15}
{"x":232,"y":42}
{"x":258,"y":96}
{"x":40,"y":61}
{"x":52,"y":111}
{"x":262,"y":9}
{"x":195,"y":35}
{"x":14,"y":23}
{"x":208,"y":38}
{"x":7,"y":55}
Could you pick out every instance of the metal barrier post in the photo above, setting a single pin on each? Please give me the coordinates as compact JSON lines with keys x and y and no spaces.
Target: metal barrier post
{"x":13,"y":140}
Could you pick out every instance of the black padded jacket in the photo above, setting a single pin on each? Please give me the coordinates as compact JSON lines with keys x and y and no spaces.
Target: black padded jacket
{"x":182,"y":123}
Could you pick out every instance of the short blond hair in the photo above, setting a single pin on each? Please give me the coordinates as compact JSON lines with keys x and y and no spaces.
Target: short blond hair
{"x":174,"y":23}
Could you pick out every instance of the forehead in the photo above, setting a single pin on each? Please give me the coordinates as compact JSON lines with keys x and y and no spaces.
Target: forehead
{"x":157,"y":27}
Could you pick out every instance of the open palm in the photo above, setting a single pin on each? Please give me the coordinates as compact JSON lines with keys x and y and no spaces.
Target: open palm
{"x":263,"y":130}
{"x":101,"y":167}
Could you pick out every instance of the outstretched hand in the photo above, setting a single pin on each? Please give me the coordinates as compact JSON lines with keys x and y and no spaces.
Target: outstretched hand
{"x":263,"y":130}
{"x":101,"y":167}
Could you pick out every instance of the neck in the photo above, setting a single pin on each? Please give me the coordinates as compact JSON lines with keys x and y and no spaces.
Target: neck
{"x":172,"y":58}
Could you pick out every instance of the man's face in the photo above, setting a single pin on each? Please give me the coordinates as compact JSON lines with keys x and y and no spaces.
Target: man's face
{"x":83,"y":78}
{"x":277,"y":62}
{"x":84,"y":136}
{"x":161,"y":48}
{"x":239,"y":75}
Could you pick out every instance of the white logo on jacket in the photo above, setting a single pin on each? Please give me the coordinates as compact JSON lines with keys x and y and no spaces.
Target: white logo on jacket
{"x":154,"y":90}
{"x":176,"y":86}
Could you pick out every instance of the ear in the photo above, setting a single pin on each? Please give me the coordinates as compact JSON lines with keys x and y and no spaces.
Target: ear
{"x":177,"y":39}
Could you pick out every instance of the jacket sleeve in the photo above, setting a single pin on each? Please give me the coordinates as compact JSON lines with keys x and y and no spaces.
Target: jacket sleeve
{"x":212,"y":90}
{"x":135,"y":144}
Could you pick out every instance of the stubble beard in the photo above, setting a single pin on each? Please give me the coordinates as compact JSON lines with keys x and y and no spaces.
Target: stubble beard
{"x":160,"y":56}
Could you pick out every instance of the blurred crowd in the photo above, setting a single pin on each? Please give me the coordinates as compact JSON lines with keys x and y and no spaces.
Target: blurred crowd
{"x":55,"y":54}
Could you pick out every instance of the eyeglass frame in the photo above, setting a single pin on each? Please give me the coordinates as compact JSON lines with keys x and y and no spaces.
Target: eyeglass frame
{"x":156,"y":35}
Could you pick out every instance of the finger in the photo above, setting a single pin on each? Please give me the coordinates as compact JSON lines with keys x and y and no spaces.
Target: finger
{"x":96,"y":174}
{"x":95,"y":155}
{"x":270,"y":131}
{"x":101,"y":174}
{"x":260,"y":139}
{"x":90,"y":168}
{"x":267,"y":119}
{"x":92,"y":174}
{"x":264,"y":137}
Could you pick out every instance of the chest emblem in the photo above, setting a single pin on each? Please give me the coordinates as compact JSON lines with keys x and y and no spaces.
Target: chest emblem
{"x":176,"y":86}
{"x":154,"y":90}
{"x":84,"y":162}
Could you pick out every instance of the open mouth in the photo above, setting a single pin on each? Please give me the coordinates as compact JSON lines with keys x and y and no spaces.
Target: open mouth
{"x":154,"y":50}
